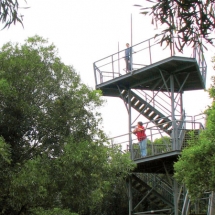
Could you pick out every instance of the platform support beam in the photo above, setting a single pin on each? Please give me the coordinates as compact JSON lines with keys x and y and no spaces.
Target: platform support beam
{"x":129,"y":124}
{"x":130,"y":195}
{"x":174,"y":126}
{"x":131,"y":150}
{"x":175,"y":191}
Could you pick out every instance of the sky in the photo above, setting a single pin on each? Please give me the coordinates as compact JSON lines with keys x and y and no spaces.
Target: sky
{"x":85,"y":31}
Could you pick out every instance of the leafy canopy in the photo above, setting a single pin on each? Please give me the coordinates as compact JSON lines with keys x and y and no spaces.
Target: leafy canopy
{"x":43,"y":100}
{"x":9,"y":13}
{"x":196,"y":165}
{"x":54,"y":158}
{"x":185,"y":22}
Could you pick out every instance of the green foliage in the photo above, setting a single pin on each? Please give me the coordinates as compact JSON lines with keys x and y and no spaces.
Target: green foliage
{"x":4,"y":152}
{"x":55,"y":211}
{"x":196,"y":165}
{"x":42,"y":100}
{"x":79,"y":180}
{"x":54,"y":159}
{"x":9,"y":12}
{"x":191,"y":21}
{"x":162,"y":140}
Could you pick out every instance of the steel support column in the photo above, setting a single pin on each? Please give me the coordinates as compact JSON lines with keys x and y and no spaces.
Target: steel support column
{"x":174,"y":126}
{"x":131,"y":151}
{"x":211,"y":205}
{"x":130,"y":195}
{"x":175,"y":191}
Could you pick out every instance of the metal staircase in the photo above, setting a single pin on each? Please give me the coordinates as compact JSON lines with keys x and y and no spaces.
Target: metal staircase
{"x":157,"y":196}
{"x":147,"y":110}
{"x":155,"y":191}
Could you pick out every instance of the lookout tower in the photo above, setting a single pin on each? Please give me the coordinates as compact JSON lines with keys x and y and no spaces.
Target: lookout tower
{"x":153,"y":90}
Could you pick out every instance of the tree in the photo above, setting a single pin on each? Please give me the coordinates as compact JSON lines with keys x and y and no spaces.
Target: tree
{"x":9,"y":12}
{"x":190,"y":21}
{"x":53,"y":155}
{"x":42,"y":101}
{"x":162,"y":140}
{"x":79,"y":180}
{"x":195,"y":167}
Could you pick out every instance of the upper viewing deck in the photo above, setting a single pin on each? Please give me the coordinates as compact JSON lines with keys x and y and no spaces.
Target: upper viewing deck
{"x":151,"y":66}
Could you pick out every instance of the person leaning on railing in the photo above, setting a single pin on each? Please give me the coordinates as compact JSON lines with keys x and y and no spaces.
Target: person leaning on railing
{"x":139,"y":131}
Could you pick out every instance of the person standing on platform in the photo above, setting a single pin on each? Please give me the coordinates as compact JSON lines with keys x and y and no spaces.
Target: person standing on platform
{"x":128,"y":58}
{"x":139,"y":131}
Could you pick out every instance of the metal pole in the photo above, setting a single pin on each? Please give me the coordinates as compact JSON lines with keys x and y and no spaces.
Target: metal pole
{"x":94,"y":69}
{"x":150,"y":52}
{"x":118,"y":60}
{"x":174,"y":128}
{"x":131,"y":151}
{"x":112,"y":65}
{"x":175,"y":142}
{"x":130,"y":195}
{"x":129,"y":123}
{"x":211,"y":204}
{"x":131,"y":31}
{"x":181,"y":103}
{"x":131,"y":58}
{"x":175,"y":197}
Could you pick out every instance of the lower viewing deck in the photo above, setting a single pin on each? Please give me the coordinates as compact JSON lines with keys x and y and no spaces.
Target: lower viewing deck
{"x":157,"y":163}
{"x":162,"y":151}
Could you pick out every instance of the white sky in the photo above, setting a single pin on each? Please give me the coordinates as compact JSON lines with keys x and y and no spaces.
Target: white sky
{"x":85,"y":31}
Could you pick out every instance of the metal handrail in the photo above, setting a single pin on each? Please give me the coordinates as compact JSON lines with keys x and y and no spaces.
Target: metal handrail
{"x":111,"y":62}
{"x":156,"y":103}
{"x":156,"y":133}
{"x":161,"y":186}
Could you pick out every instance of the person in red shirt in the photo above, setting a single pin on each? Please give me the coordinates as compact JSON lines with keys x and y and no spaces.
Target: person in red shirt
{"x":139,"y":131}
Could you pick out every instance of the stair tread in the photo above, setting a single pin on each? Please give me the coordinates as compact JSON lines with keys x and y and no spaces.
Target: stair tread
{"x":139,"y":104}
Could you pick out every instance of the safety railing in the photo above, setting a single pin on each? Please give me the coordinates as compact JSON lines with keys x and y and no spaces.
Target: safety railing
{"x":158,"y":142}
{"x":199,"y":56}
{"x":143,"y":54}
{"x":182,"y":130}
{"x":203,"y":205}
{"x":158,"y":184}
{"x":162,"y":101}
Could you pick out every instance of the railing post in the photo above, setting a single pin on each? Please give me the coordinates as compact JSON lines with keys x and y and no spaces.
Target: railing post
{"x":94,"y":69}
{"x":152,"y":142}
{"x":202,"y":63}
{"x":129,"y":124}
{"x":112,"y":65}
{"x":101,"y":78}
{"x":152,"y":148}
{"x":199,"y":57}
{"x":118,"y":61}
{"x":131,"y":61}
{"x":194,"y":52}
{"x":150,"y":52}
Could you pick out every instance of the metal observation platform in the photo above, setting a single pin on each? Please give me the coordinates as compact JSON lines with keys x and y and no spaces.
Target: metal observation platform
{"x":152,"y":91}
